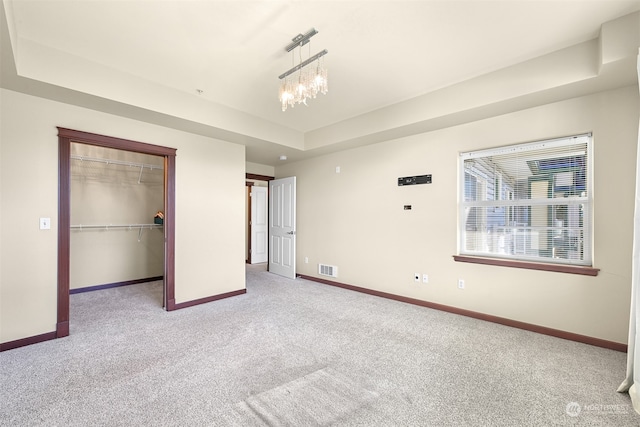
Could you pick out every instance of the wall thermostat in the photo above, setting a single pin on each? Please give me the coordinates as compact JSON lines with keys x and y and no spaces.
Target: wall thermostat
{"x":414,"y":180}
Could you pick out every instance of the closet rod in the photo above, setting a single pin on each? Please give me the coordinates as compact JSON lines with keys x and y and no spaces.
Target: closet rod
{"x":116,"y":162}
{"x":114,"y":226}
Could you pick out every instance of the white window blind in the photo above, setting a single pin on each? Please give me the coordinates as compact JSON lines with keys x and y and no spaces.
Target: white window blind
{"x":528,"y":201}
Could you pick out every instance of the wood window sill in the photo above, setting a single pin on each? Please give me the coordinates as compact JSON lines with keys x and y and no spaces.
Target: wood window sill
{"x":559,"y":268}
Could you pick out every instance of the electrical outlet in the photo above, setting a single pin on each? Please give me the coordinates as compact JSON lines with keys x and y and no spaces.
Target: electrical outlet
{"x":425,"y":278}
{"x":460,"y":284}
{"x":306,"y":260}
{"x":416,"y":277}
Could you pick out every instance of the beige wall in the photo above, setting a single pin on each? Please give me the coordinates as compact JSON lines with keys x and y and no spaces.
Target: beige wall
{"x":259,"y":169}
{"x":355,"y":219}
{"x":114,"y":194}
{"x":209,"y":208}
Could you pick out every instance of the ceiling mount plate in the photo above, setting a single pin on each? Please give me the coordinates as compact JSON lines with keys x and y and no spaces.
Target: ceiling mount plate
{"x":301,"y":39}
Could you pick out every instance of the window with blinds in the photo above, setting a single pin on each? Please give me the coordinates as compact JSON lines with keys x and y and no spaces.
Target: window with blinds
{"x":529,"y":202}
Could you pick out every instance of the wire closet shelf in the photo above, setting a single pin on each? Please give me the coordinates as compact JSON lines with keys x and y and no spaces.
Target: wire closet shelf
{"x":107,"y":227}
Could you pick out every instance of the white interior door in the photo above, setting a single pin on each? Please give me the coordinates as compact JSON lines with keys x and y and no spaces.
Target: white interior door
{"x":259,"y":214}
{"x":282,"y":227}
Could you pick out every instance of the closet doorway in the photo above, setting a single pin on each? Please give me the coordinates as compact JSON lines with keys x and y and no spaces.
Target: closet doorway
{"x":144,"y":156}
{"x":117,"y":214}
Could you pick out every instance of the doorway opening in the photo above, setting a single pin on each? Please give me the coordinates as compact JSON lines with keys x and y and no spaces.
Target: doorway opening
{"x":256,"y":218}
{"x":65,"y":138}
{"x":117,"y":214}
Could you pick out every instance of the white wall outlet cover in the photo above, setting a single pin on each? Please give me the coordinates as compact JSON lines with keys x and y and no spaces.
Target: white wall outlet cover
{"x":425,"y":278}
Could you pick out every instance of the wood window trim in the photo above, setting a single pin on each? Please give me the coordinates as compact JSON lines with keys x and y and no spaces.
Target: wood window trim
{"x":558,"y":268}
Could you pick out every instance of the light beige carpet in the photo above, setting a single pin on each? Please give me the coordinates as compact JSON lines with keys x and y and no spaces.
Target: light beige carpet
{"x":298,"y":353}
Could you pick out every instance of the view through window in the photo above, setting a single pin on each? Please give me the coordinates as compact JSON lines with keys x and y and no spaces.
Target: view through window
{"x":528,"y":201}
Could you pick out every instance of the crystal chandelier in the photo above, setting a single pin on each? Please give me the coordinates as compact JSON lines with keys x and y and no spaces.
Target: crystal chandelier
{"x":300,"y":83}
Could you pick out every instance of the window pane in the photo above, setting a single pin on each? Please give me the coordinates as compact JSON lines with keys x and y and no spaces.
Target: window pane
{"x":529,"y":201}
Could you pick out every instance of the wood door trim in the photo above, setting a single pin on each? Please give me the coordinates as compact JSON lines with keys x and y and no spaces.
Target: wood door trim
{"x":255,"y":177}
{"x":65,"y":137}
{"x":248,"y":199}
{"x":170,"y":231}
{"x":114,"y":142}
{"x":64,"y":234}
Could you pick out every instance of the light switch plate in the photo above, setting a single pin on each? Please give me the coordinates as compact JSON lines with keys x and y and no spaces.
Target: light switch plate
{"x":45,"y":223}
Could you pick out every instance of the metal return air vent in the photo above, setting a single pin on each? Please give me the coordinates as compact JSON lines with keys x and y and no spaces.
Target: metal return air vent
{"x":328,"y":270}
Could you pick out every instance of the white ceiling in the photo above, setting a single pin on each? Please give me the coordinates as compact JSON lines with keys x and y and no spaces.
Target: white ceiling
{"x":380,"y":52}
